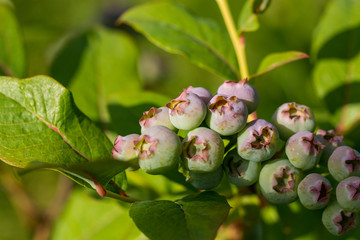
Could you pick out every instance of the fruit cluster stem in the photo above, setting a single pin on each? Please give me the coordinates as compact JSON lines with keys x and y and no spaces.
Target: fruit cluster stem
{"x":238,"y":42}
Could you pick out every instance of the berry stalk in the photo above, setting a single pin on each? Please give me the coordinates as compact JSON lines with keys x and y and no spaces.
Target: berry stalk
{"x":238,"y":44}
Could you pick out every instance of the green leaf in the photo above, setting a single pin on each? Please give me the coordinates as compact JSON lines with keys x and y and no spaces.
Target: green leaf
{"x":248,"y":19}
{"x":337,"y":82}
{"x":12,"y":54}
{"x":196,"y":216}
{"x":260,"y":6}
{"x":202,"y":41}
{"x":87,"y":218}
{"x":40,"y":122}
{"x":276,"y":60}
{"x":340,"y":20}
{"x":40,"y":126}
{"x":103,"y":60}
{"x":336,"y":74}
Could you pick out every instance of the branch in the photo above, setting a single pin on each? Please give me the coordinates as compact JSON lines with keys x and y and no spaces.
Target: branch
{"x":239,"y":45}
{"x":22,"y":202}
{"x":45,"y":225}
{"x":7,"y":71}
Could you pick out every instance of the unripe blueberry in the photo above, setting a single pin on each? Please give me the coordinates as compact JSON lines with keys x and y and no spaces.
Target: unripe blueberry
{"x":314,"y":191}
{"x":203,"y":150}
{"x":124,"y":150}
{"x":258,"y":141}
{"x":338,"y":221}
{"x":344,"y":162}
{"x":227,"y":115}
{"x":291,"y":118}
{"x":242,"y":90}
{"x":279,"y":180}
{"x":331,"y":140}
{"x":187,"y":111}
{"x":348,"y":194}
{"x":303,"y":150}
{"x":203,"y":93}
{"x":239,"y":171}
{"x":205,"y":180}
{"x":158,"y":149}
{"x":156,"y":116}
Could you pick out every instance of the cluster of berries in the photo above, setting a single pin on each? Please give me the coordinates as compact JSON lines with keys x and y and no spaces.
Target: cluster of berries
{"x":190,"y":132}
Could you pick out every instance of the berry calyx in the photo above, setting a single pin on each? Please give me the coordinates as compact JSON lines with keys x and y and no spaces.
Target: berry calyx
{"x":242,"y":90}
{"x":258,"y":141}
{"x":203,"y":150}
{"x":187,"y":111}
{"x":156,"y":116}
{"x":291,"y":118}
{"x":227,"y":115}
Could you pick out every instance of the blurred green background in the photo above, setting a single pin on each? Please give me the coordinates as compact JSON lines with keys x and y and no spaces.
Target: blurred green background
{"x":77,"y":43}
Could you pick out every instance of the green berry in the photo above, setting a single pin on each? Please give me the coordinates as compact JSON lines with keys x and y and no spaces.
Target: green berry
{"x":303,"y":150}
{"x":344,"y":162}
{"x":279,"y":180}
{"x":291,"y":118}
{"x":338,"y":221}
{"x":348,"y":194}
{"x":257,"y":141}
{"x":187,"y":111}
{"x":203,"y":150}
{"x":314,"y":191}
{"x":227,"y":115}
{"x":205,"y":180}
{"x":158,"y":149}
{"x":239,"y":171}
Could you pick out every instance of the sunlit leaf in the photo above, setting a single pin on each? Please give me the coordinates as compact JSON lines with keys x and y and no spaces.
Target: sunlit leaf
{"x":88,"y":218}
{"x":276,"y":60}
{"x":196,"y":216}
{"x":172,"y":28}
{"x":248,"y":19}
{"x":335,"y":26}
{"x":40,"y":126}
{"x":12,"y":56}
{"x":336,"y":76}
{"x":105,"y":61}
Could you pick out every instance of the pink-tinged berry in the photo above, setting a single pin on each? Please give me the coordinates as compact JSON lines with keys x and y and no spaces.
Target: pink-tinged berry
{"x":314,"y":191}
{"x":344,"y":162}
{"x":279,"y":180}
{"x":203,"y":150}
{"x":258,"y":141}
{"x":291,"y":118}
{"x":338,"y":221}
{"x":203,"y":93}
{"x":227,"y":115}
{"x":348,"y":194}
{"x":124,"y":150}
{"x":156,"y":116}
{"x":242,"y":90}
{"x":158,"y":149}
{"x":187,"y":111}
{"x":331,"y":140}
{"x":304,"y":150}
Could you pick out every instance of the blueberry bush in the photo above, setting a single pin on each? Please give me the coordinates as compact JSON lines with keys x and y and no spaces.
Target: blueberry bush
{"x":179,"y":119}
